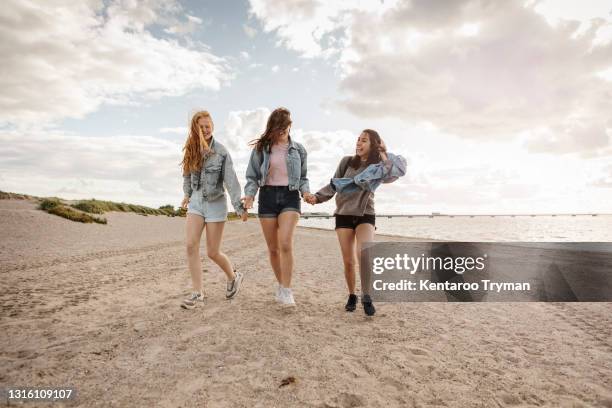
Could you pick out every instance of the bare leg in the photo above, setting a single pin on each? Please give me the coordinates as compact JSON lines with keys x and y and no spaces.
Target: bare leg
{"x":287,"y":222}
{"x":269,"y":226}
{"x":214,"y":233}
{"x":363,"y":233}
{"x":194,"y":225}
{"x":346,"y":238}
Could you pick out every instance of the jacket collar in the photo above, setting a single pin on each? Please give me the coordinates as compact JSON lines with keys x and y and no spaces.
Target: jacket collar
{"x":292,"y":143}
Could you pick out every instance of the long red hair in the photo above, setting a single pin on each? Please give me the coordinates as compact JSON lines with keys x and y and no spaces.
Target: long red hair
{"x":196,"y":145}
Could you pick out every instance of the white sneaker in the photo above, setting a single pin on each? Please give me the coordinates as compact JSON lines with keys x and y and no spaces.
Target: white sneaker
{"x":233,"y":286}
{"x":193,"y":301}
{"x":278,"y":296}
{"x":288,"y":297}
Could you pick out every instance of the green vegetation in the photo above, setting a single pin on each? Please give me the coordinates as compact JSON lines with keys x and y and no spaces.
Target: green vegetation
{"x":94,"y":206}
{"x":49,"y":203}
{"x":85,"y":210}
{"x":56,"y":207}
{"x":81,"y":211}
{"x":14,"y":196}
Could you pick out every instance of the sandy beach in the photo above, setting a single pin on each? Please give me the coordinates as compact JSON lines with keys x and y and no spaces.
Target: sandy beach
{"x":97,"y":307}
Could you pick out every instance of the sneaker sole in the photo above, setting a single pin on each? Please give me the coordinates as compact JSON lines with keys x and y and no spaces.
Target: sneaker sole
{"x":287,"y":304}
{"x":184,"y":306}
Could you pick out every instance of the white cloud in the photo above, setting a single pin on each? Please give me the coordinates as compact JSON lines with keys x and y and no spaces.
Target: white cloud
{"x":580,"y":137}
{"x":63,"y":59}
{"x":275,"y":68}
{"x":194,"y":19}
{"x":463,"y":66}
{"x":241,"y":127}
{"x":310,"y":26}
{"x":139,"y":169}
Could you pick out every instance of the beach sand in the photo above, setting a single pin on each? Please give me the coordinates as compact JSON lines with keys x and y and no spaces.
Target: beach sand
{"x":97,"y":307}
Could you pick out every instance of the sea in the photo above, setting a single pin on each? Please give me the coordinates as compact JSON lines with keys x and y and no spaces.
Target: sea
{"x":487,"y":228}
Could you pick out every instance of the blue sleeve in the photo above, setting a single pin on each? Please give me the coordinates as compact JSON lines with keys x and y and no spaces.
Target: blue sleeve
{"x":304,"y":185}
{"x":232,"y":184}
{"x":252,"y":174}
{"x":395,"y":167}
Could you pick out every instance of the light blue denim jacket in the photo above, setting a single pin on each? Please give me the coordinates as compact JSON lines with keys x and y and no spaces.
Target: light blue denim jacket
{"x":259,"y":164}
{"x":216,"y":172}
{"x":373,"y":175}
{"x":354,"y":188}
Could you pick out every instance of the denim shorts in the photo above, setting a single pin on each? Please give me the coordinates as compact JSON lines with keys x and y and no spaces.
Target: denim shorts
{"x":211,"y":211}
{"x":274,"y":200}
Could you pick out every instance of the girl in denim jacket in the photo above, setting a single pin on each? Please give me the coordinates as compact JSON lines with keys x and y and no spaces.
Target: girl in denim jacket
{"x":277,"y":168}
{"x":207,"y":168}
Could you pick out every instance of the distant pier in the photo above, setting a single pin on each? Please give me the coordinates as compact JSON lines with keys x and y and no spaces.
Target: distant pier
{"x":432,"y":215}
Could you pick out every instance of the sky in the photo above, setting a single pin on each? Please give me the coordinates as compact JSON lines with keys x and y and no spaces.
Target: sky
{"x":498,"y":107}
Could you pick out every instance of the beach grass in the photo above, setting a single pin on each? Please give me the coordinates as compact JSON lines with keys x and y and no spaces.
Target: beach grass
{"x":94,"y":206}
{"x":56,"y":207}
{"x":86,"y":210}
{"x":14,"y":196}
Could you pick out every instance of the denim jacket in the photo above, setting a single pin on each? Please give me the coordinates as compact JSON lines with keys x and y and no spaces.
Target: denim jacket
{"x":216,"y":171}
{"x":373,"y":175}
{"x":259,"y":164}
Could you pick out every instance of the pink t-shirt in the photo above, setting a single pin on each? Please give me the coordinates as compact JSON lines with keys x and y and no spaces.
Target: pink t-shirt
{"x":277,"y":173}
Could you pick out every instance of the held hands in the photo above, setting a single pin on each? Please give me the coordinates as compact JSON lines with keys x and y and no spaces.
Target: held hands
{"x":185,"y":202}
{"x":310,"y":198}
{"x":247,"y":202}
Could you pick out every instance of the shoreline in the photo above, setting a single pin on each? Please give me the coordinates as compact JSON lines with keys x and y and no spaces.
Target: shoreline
{"x":416,"y":239}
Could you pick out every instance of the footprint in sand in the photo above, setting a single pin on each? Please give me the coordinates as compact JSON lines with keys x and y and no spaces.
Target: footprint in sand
{"x":418,"y":351}
{"x":510,"y":399}
{"x":345,"y":400}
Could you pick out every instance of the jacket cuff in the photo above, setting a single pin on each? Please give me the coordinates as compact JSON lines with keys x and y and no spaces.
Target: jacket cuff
{"x":238,"y":208}
{"x":250,"y":191}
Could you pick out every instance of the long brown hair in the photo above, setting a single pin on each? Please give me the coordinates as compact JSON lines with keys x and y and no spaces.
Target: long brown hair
{"x":374,"y":155}
{"x":196,"y":144}
{"x":279,"y":120}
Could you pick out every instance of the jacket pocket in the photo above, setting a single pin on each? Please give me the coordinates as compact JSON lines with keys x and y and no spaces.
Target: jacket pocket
{"x":212,"y":170}
{"x":295,"y":165}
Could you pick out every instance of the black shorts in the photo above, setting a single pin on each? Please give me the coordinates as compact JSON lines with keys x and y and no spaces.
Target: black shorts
{"x":352,"y":221}
{"x":274,"y":200}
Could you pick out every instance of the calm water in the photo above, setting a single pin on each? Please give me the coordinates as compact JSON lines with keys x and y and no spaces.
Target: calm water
{"x":486,"y":228}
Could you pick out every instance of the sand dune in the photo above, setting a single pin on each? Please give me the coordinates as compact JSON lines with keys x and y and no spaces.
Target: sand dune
{"x":97,"y":307}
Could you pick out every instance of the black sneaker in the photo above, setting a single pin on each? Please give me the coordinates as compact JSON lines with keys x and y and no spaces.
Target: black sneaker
{"x":368,"y":307}
{"x":351,"y":304}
